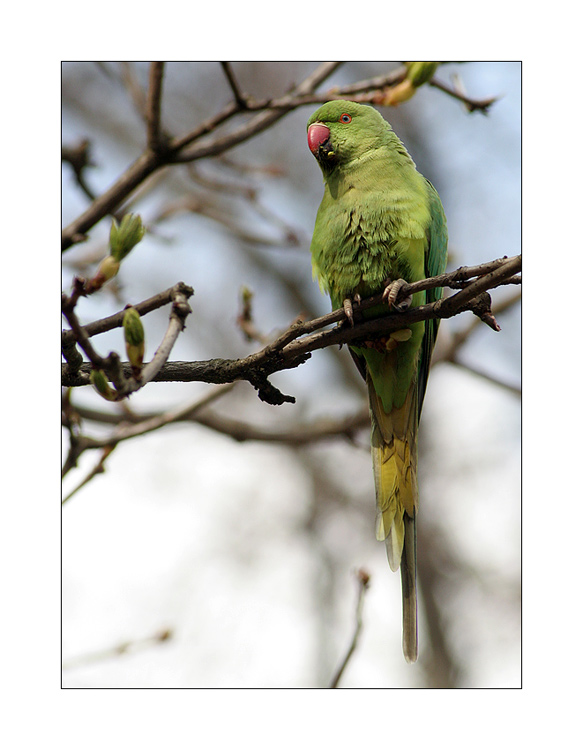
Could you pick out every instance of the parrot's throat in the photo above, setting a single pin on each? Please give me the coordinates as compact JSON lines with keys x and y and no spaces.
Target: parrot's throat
{"x":320,"y":145}
{"x":326,"y":156}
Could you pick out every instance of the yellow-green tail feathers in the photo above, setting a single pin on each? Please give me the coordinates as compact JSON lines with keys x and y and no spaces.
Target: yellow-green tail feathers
{"x":394,"y":456}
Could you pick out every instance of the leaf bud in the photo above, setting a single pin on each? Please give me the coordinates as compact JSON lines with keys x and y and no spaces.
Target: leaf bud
{"x":101,"y":384}
{"x":125,"y":236}
{"x":418,"y":73}
{"x":421,"y":72}
{"x":108,"y":268}
{"x":134,"y":338}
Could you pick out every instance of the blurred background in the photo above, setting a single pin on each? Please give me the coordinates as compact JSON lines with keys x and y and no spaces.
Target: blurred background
{"x":219,"y":552}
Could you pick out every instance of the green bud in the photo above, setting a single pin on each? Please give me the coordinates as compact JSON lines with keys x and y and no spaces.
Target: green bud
{"x":246,"y":295}
{"x":108,"y":268}
{"x":132,"y":327}
{"x":134,"y":337}
{"x":101,"y":384}
{"x":125,"y":236}
{"x":420,"y":72}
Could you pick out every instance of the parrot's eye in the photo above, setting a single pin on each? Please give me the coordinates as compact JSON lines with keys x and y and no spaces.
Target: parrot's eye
{"x":345,"y":118}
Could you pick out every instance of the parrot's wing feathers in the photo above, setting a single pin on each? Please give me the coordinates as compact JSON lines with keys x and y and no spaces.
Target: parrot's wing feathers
{"x":436,"y":257}
{"x":359,"y":361}
{"x":435,"y":264}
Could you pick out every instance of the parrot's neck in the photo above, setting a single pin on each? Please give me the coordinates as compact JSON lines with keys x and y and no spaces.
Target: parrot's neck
{"x":390,"y":170}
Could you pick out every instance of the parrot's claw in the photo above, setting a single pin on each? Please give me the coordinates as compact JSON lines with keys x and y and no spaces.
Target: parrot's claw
{"x":391,"y":294}
{"x":349,"y":309}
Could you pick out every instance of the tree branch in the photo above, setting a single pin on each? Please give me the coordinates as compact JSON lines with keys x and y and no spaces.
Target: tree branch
{"x":162,"y":150}
{"x":240,"y":98}
{"x":274,"y":112}
{"x":123,"y":379}
{"x":295,"y":345}
{"x":143,"y":308}
{"x":472,"y":105}
{"x":363,"y":579}
{"x":99,"y":468}
{"x":121,"y":649}
{"x":295,"y":435}
{"x":156,"y":140}
{"x":153,"y":159}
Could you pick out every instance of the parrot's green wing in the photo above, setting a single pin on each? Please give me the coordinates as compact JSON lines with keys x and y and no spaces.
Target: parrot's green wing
{"x":435,"y":264}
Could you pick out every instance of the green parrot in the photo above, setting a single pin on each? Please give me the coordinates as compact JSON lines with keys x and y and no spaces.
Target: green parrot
{"x":381,"y":223}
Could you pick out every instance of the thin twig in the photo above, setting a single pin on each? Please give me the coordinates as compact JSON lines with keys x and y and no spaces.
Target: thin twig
{"x":143,"y":308}
{"x":295,"y":435}
{"x":255,"y":125}
{"x":128,"y":431}
{"x":99,"y":468}
{"x":516,"y":390}
{"x":472,"y":105}
{"x":180,"y":310}
{"x":132,"y":86}
{"x":122,"y":648}
{"x":125,"y":382}
{"x":106,"y":203}
{"x":459,"y":338}
{"x":79,"y":158}
{"x":78,"y":333}
{"x":153,"y":103}
{"x":239,"y":97}
{"x":363,"y":579}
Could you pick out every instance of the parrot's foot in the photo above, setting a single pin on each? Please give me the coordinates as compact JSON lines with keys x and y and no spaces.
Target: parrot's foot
{"x":348,"y":307}
{"x":391,"y":293}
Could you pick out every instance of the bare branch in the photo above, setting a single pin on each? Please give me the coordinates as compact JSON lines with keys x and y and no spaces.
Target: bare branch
{"x":135,"y":175}
{"x":295,"y":435}
{"x":79,"y":158}
{"x":78,"y":333}
{"x":516,"y":390}
{"x":122,"y":648}
{"x":145,"y":426}
{"x":151,"y":160}
{"x":256,"y":124}
{"x":459,"y":338}
{"x":125,"y":381}
{"x":99,"y":468}
{"x":363,"y":579}
{"x":180,"y":310}
{"x":143,"y":308}
{"x":155,"y":138}
{"x":129,"y":80}
{"x":239,"y":97}
{"x":161,"y":151}
{"x":295,"y":345}
{"x":472,"y":105}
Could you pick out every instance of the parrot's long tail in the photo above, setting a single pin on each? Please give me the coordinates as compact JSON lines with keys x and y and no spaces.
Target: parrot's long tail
{"x":394,"y":455}
{"x":409,"y":589}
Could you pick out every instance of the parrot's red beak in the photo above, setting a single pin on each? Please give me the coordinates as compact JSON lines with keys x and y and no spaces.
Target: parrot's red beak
{"x":318,"y":134}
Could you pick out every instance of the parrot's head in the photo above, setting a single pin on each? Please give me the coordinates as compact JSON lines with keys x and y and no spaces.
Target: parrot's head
{"x":341,"y":132}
